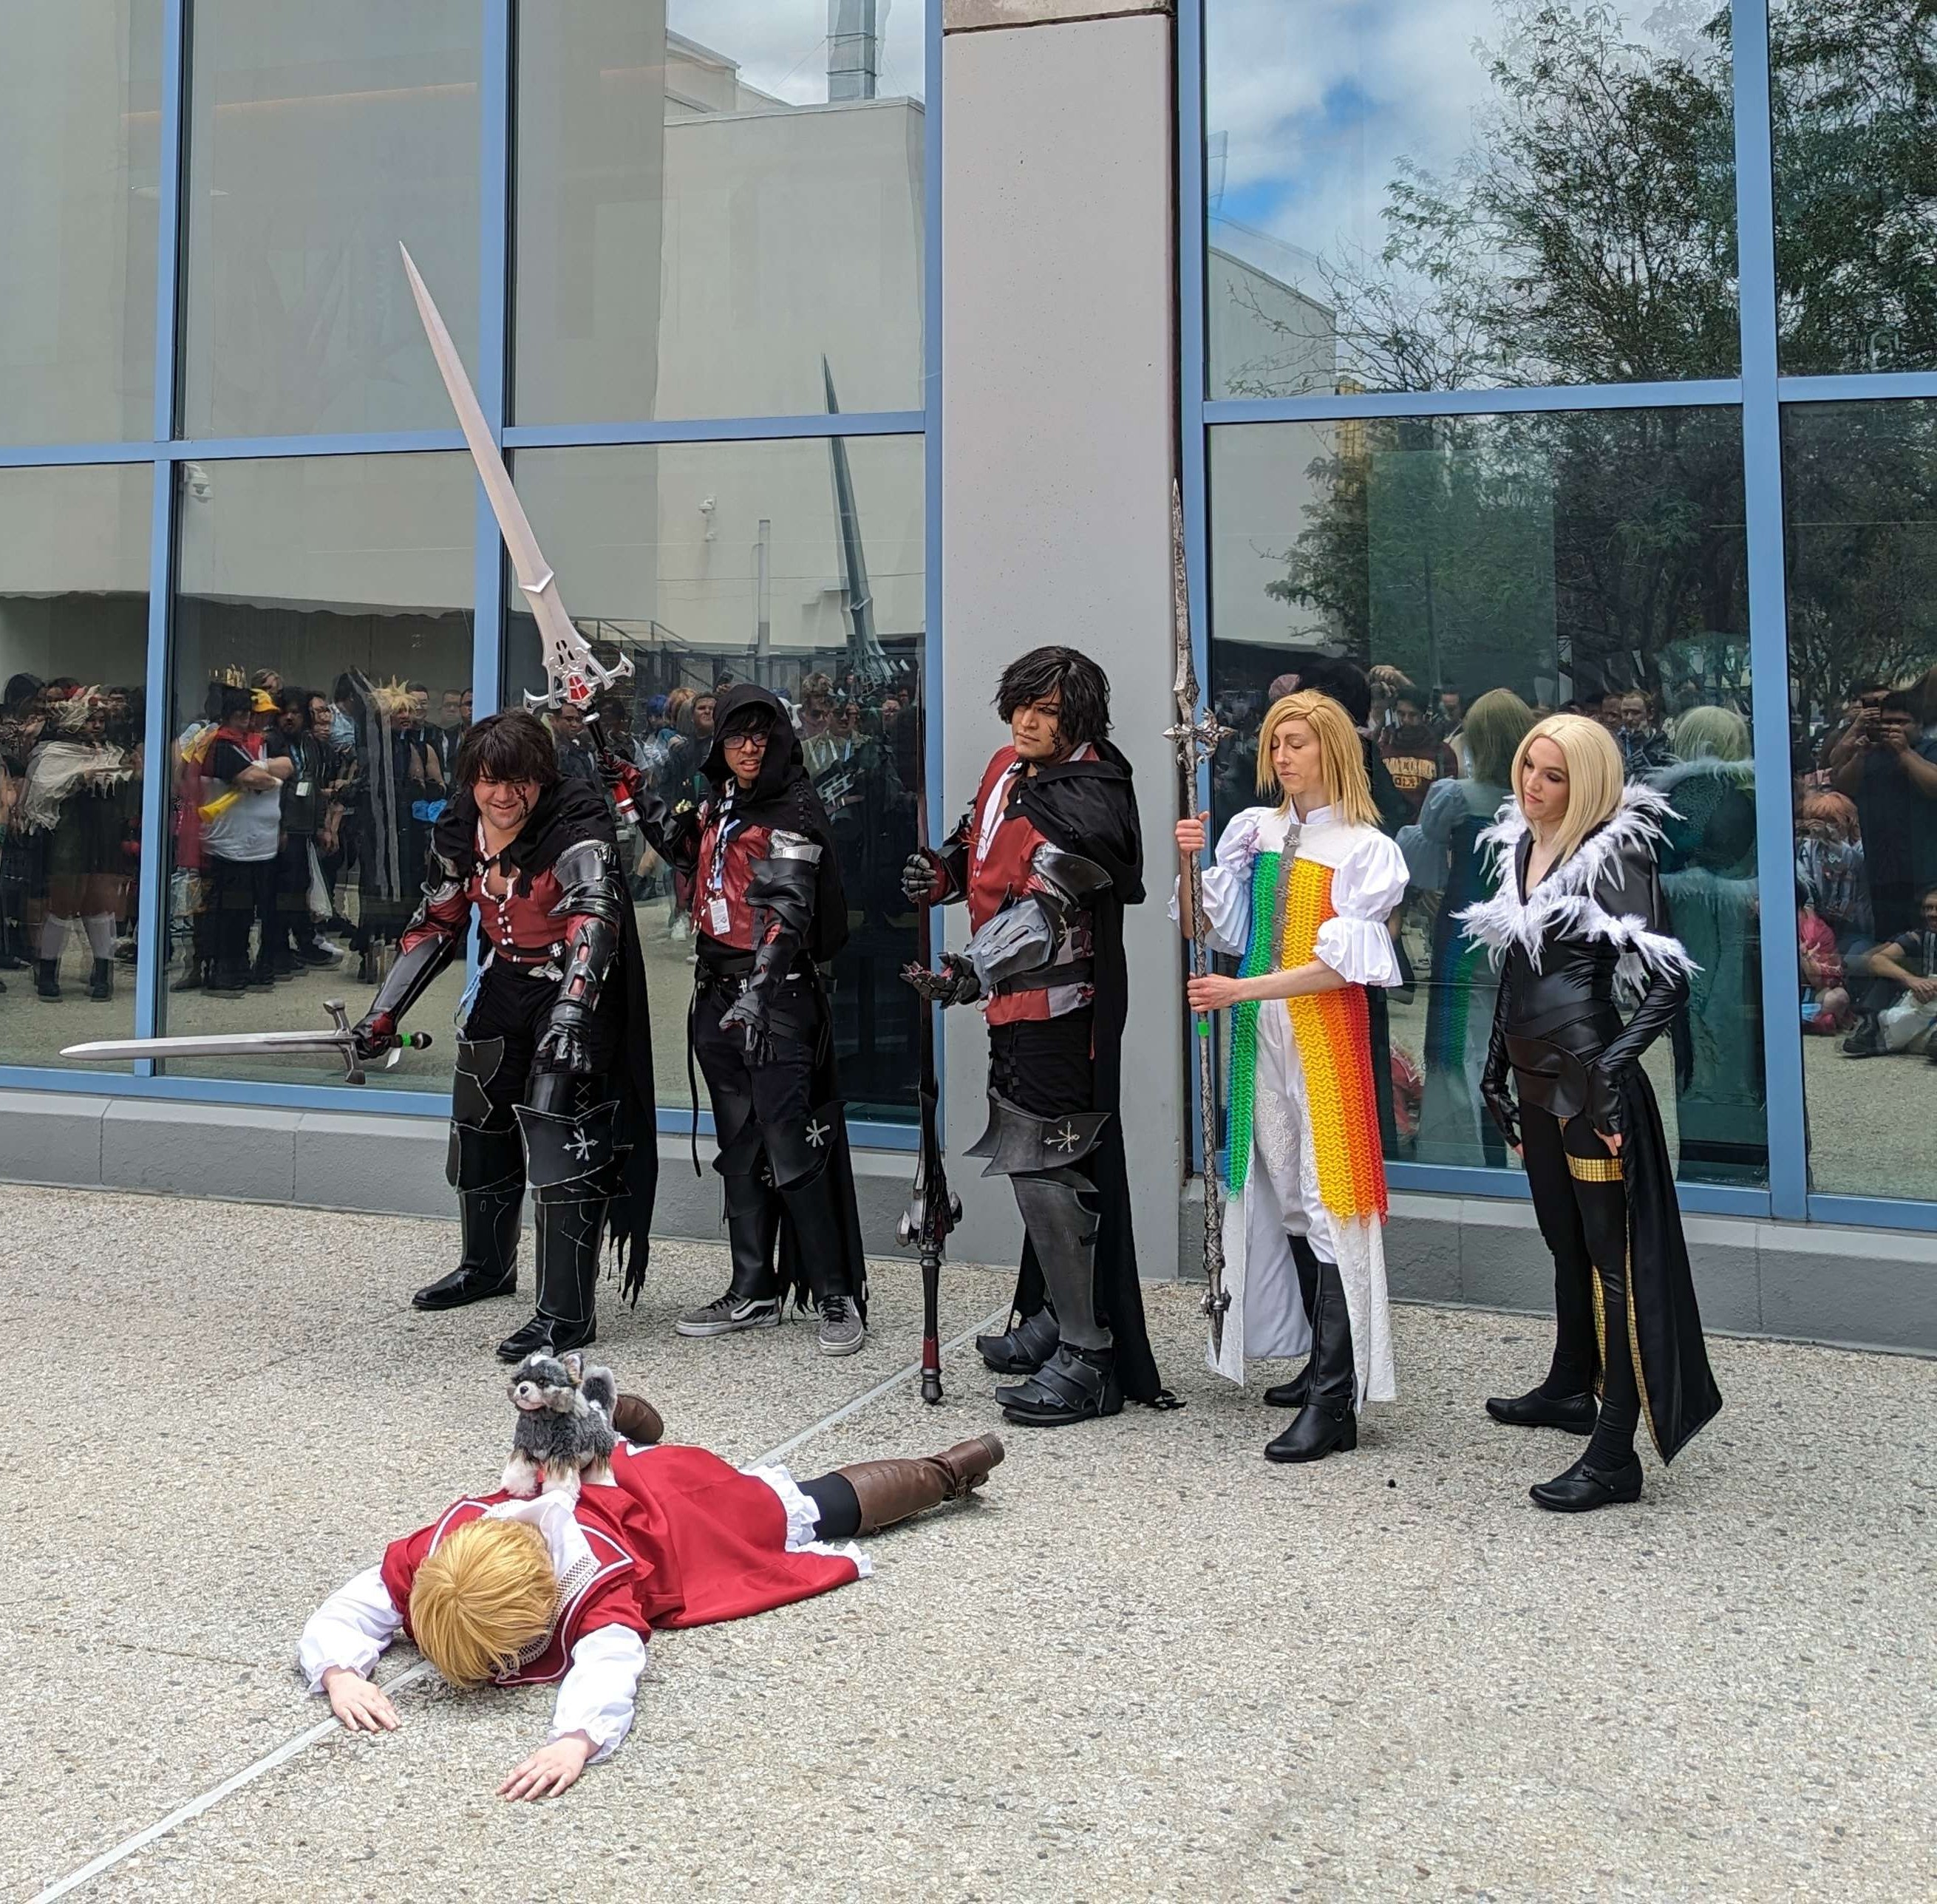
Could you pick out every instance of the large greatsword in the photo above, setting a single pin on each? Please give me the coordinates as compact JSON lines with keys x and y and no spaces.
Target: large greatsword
{"x":1196,"y":737}
{"x":574,"y":676}
{"x":338,"y":1041}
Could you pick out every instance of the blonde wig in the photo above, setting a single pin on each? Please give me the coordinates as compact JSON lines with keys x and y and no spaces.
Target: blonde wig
{"x":1593,"y":775}
{"x":1494,"y":727}
{"x":485,"y":1595}
{"x":1710,"y":734}
{"x":1340,"y":753}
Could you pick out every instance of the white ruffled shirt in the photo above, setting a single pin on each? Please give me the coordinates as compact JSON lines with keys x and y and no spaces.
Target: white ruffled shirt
{"x":1368,"y":882}
{"x":352,"y":1628}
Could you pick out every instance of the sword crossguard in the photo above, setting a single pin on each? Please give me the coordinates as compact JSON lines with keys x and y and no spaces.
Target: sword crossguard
{"x":1203,"y":736}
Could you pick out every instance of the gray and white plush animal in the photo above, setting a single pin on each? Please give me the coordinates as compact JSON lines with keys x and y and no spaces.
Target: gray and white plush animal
{"x":565,"y":1425}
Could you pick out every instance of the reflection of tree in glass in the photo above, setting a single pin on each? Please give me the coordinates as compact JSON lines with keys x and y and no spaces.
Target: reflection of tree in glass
{"x":1587,"y":235}
{"x":1515,"y":549}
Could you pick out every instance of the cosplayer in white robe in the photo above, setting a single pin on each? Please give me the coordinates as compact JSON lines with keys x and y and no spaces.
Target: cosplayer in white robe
{"x":1280,"y":1195}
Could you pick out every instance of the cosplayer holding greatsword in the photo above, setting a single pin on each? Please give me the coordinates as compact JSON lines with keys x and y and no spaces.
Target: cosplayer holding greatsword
{"x":554,"y":1088}
{"x":1046,"y":858}
{"x":567,"y":1587}
{"x":1579,"y":906}
{"x":768,"y":911}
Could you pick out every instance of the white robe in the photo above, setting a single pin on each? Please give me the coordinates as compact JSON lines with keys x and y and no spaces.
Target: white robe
{"x":1281,"y":1197}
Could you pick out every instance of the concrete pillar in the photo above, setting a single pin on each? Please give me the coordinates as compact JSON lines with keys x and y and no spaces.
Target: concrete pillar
{"x":1058,"y":448}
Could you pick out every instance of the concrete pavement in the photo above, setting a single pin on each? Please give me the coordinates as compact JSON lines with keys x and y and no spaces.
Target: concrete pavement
{"x":1145,"y":1665}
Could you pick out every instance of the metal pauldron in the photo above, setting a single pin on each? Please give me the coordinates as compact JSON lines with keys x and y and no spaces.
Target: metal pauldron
{"x":584,"y":871}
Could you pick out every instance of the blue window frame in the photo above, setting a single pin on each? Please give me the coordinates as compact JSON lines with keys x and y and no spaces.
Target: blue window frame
{"x":496,"y":211}
{"x":1762,"y":392}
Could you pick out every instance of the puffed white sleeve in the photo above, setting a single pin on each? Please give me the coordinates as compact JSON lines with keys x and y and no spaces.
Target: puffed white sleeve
{"x":1227,"y":884}
{"x":596,"y":1696}
{"x":350,"y":1629}
{"x":1367,"y":887}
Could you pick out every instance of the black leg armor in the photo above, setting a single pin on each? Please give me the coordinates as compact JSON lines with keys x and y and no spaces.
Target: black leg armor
{"x":572,"y":1162}
{"x":485,"y":1166}
{"x":797,"y":1153}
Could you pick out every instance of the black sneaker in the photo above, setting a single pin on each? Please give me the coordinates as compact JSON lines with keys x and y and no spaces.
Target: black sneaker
{"x":1865,"y":1041}
{"x":724,"y":1315}
{"x":842,"y":1331}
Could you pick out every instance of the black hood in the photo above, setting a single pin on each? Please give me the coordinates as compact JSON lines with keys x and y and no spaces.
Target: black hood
{"x":784,"y":756}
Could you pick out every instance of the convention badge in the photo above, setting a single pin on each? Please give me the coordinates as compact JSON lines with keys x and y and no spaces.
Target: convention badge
{"x":718,"y":918}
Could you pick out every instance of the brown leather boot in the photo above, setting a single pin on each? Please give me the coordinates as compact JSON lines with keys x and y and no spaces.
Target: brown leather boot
{"x":892,"y":1491}
{"x":637,"y":1420}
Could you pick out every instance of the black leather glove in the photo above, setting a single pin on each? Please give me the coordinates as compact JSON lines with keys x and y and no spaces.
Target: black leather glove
{"x":748,"y":1016}
{"x":923,"y":882}
{"x":1493,"y":1080}
{"x":955,"y":984}
{"x":563,"y":1048}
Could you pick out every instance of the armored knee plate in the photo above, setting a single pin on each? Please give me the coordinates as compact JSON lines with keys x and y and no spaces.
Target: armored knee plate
{"x":797,"y":1150}
{"x":1017,"y":1143}
{"x":1063,"y":1226}
{"x":478,"y":1064}
{"x":570,"y":1160}
{"x":484,"y":1160}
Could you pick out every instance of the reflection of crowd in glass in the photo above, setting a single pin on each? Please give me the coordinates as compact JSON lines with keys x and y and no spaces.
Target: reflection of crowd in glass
{"x":1866,"y":869}
{"x":293,"y":805}
{"x":1440,"y":767}
{"x":70,"y":828}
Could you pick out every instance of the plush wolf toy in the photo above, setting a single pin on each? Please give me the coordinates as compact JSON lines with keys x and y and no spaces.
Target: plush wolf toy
{"x":565,"y":1425}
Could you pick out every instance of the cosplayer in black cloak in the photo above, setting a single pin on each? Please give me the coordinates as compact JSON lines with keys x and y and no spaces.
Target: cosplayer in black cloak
{"x":553,"y":1086}
{"x":1628,"y":1325}
{"x":1048,"y":856}
{"x":768,"y":912}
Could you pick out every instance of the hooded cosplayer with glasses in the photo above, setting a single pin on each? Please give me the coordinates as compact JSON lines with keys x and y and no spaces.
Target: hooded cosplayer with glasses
{"x":553,"y":1088}
{"x":1046,"y":858}
{"x":768,"y":911}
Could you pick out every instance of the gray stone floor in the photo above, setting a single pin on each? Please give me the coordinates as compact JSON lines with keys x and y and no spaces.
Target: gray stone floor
{"x":1145,"y":1665}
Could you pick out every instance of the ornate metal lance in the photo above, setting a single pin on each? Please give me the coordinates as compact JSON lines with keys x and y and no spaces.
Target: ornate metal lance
{"x":1196,"y":737}
{"x":573,"y":674}
{"x":934,"y":1210}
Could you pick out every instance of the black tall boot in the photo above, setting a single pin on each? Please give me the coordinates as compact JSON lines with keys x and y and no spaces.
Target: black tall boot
{"x":100,"y":981}
{"x":753,"y":1298}
{"x":571,"y":1166}
{"x":1608,"y":1473}
{"x":46,"y":977}
{"x":1294,"y":1393}
{"x":1327,"y":1423}
{"x":487,"y":1168}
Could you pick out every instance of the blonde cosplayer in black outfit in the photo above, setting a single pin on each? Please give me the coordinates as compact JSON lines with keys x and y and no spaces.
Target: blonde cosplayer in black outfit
{"x":1579,"y":906}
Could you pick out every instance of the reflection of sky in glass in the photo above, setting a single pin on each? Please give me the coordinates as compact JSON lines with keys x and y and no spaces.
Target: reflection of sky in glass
{"x":1319,"y":100}
{"x":781,"y":45}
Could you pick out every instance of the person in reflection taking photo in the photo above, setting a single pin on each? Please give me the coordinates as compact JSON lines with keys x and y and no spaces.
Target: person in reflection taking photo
{"x":1302,"y":891}
{"x":566,"y":1588}
{"x":768,"y":911}
{"x":1579,"y":908}
{"x":553,"y":1088}
{"x":1046,"y":858}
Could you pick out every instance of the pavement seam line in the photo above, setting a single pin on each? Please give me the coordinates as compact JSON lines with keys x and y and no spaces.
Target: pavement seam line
{"x":412,"y":1675}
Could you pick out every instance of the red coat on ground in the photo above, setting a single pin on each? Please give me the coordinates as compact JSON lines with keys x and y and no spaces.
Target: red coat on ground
{"x":681,"y":1539}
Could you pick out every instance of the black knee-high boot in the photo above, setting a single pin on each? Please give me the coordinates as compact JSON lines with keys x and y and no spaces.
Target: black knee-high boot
{"x":1329,"y":1422}
{"x":487,"y":1168}
{"x":1609,"y":1473}
{"x":572,"y":1164}
{"x":1294,"y":1393}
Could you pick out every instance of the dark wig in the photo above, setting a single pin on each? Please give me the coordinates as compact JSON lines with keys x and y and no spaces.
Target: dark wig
{"x":513,"y":746}
{"x":1083,"y":686}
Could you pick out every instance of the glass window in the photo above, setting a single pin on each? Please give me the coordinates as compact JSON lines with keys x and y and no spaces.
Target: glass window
{"x":797,"y":565}
{"x":1475,"y":572}
{"x":80,"y":133}
{"x":322,"y":674}
{"x":1449,"y":194}
{"x":73,"y":643}
{"x":1854,"y":91}
{"x":320,"y":137}
{"x":1860,"y":491}
{"x":720,"y":210}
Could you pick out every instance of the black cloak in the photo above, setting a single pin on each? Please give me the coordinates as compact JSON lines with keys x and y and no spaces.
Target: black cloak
{"x":565,"y":813}
{"x":1089,"y":808}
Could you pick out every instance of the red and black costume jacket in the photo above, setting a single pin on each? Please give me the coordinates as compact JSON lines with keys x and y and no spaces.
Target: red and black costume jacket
{"x":679,"y":1539}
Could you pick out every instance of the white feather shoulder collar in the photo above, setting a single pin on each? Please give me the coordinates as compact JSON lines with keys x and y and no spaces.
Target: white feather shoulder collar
{"x":1567,"y":899}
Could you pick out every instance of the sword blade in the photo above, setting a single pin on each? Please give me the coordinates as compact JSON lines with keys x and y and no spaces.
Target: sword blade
{"x":573,"y":669}
{"x":215,"y":1045}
